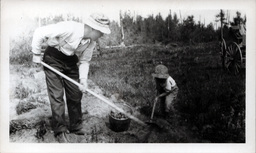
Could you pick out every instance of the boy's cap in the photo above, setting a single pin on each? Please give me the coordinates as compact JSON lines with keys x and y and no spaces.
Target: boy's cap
{"x":99,"y":22}
{"x":161,"y":72}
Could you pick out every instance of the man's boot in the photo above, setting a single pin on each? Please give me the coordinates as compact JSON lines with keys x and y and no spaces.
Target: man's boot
{"x":61,"y":137}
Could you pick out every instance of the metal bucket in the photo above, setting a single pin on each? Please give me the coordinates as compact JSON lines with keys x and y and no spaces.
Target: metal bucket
{"x":118,"y":122}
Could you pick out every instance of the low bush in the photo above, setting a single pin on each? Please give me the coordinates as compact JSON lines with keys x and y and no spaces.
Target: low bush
{"x":22,"y":92}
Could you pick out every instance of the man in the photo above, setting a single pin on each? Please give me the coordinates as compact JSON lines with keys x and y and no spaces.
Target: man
{"x":167,"y":90}
{"x":70,"y":48}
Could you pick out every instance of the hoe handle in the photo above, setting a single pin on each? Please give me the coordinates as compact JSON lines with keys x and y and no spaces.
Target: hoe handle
{"x":94,"y":94}
{"x":153,"y":110}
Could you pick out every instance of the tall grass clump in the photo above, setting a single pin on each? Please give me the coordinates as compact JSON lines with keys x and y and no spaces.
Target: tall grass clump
{"x":20,"y":52}
{"x":20,"y":42}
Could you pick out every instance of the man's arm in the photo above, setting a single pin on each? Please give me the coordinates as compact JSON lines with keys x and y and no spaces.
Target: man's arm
{"x":85,"y":59}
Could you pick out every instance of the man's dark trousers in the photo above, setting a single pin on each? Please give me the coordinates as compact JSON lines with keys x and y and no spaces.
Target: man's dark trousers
{"x":56,"y":86}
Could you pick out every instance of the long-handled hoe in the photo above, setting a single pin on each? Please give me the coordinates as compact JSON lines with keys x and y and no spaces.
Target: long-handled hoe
{"x":151,"y":123}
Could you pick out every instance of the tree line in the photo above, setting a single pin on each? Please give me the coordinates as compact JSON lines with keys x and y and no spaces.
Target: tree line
{"x":133,"y":29}
{"x":156,"y":29}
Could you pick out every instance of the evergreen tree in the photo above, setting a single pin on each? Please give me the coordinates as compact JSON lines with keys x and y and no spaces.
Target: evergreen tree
{"x":187,"y":28}
{"x":159,"y":28}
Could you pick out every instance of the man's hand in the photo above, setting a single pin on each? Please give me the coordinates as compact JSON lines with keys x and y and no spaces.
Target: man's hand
{"x":37,"y":58}
{"x":84,"y":84}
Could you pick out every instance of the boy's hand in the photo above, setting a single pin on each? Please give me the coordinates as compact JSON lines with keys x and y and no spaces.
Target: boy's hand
{"x":84,"y":84}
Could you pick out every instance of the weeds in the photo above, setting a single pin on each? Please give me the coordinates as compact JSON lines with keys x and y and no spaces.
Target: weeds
{"x":22,"y":92}
{"x":16,"y":125}
{"x":41,"y":130}
{"x":24,"y":107}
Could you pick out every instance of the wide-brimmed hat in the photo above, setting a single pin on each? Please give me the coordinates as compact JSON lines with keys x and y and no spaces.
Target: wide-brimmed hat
{"x":99,"y":22}
{"x":161,"y":72}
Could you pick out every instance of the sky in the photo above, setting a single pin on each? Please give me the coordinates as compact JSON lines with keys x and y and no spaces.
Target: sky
{"x":17,"y":12}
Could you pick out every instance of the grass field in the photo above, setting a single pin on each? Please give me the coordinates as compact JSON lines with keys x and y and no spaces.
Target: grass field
{"x":211,"y":101}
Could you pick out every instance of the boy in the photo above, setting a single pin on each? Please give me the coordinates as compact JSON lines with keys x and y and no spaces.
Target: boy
{"x":167,"y":90}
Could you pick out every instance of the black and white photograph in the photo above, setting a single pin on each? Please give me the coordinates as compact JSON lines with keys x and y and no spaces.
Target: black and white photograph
{"x":127,"y":76}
